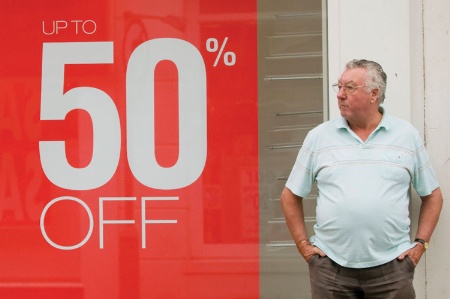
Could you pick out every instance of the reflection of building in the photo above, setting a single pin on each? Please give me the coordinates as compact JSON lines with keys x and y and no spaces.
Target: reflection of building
{"x":292,"y":81}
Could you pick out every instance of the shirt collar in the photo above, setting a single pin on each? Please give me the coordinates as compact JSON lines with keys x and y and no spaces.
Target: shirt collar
{"x":384,"y":123}
{"x":341,"y":122}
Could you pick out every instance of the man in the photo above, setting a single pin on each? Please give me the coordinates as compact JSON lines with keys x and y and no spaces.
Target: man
{"x":364,"y":163}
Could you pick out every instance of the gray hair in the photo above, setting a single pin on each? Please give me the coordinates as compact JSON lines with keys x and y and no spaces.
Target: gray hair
{"x":376,"y":78}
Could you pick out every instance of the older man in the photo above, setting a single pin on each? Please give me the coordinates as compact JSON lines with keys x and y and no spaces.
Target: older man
{"x":364,"y":163}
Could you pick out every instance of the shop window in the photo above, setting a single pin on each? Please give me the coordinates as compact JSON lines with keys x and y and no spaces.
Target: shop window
{"x":292,"y":93}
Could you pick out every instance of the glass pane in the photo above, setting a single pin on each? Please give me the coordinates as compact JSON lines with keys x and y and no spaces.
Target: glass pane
{"x":129,"y":141}
{"x":144,"y":145}
{"x":291,"y":102}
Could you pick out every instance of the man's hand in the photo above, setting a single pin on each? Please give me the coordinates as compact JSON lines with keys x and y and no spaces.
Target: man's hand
{"x":307,"y":250}
{"x":428,"y":217}
{"x":414,"y":254}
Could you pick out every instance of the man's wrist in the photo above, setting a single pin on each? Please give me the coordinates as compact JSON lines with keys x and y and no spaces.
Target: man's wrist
{"x":303,"y":243}
{"x":423,"y":242}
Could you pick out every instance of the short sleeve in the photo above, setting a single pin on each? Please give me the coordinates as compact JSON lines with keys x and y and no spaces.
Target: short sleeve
{"x":424,"y":178}
{"x":301,"y":178}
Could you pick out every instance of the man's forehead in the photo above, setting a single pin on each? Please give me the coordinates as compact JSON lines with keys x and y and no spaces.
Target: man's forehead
{"x":355,"y":75}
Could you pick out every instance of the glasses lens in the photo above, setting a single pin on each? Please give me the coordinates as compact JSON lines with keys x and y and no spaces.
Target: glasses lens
{"x":349,"y":89}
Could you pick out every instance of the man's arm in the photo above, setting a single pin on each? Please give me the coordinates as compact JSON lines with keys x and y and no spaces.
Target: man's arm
{"x":292,"y":206}
{"x":430,"y":210}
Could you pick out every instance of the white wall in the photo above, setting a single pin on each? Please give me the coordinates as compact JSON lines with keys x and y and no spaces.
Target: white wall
{"x":410,"y":39}
{"x":374,"y":30}
{"x":437,"y":123}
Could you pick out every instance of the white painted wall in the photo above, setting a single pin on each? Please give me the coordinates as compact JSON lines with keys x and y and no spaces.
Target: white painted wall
{"x":437,"y":123}
{"x":410,"y":39}
{"x":375,"y":30}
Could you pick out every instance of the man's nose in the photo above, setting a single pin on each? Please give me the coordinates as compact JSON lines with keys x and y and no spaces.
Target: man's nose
{"x":341,"y":94}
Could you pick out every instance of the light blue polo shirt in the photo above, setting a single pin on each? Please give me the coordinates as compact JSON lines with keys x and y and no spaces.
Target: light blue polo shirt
{"x":364,"y":188}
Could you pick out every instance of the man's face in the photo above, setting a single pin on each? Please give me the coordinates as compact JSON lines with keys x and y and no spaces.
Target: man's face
{"x":355,"y":103}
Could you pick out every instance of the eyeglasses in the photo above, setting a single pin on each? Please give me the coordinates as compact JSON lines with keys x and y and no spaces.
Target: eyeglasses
{"x":348,"y":89}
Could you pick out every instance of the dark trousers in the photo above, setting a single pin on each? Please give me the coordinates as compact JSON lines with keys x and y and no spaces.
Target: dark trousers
{"x":393,"y":280}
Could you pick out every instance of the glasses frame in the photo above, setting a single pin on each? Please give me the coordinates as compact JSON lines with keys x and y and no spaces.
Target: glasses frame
{"x":348,"y":89}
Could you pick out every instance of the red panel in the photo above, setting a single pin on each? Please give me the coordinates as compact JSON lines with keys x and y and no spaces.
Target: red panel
{"x":56,"y":239}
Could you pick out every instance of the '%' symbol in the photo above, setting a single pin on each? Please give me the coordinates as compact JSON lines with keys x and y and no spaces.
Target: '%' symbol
{"x":212,"y":45}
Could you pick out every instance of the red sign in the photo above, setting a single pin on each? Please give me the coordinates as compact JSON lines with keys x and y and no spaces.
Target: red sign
{"x":129,"y":149}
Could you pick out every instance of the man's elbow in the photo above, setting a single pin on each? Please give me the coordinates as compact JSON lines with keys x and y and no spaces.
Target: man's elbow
{"x":287,"y":196}
{"x":435,"y":198}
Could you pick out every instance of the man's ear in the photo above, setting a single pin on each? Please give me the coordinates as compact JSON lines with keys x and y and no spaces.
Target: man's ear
{"x":375,"y":93}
